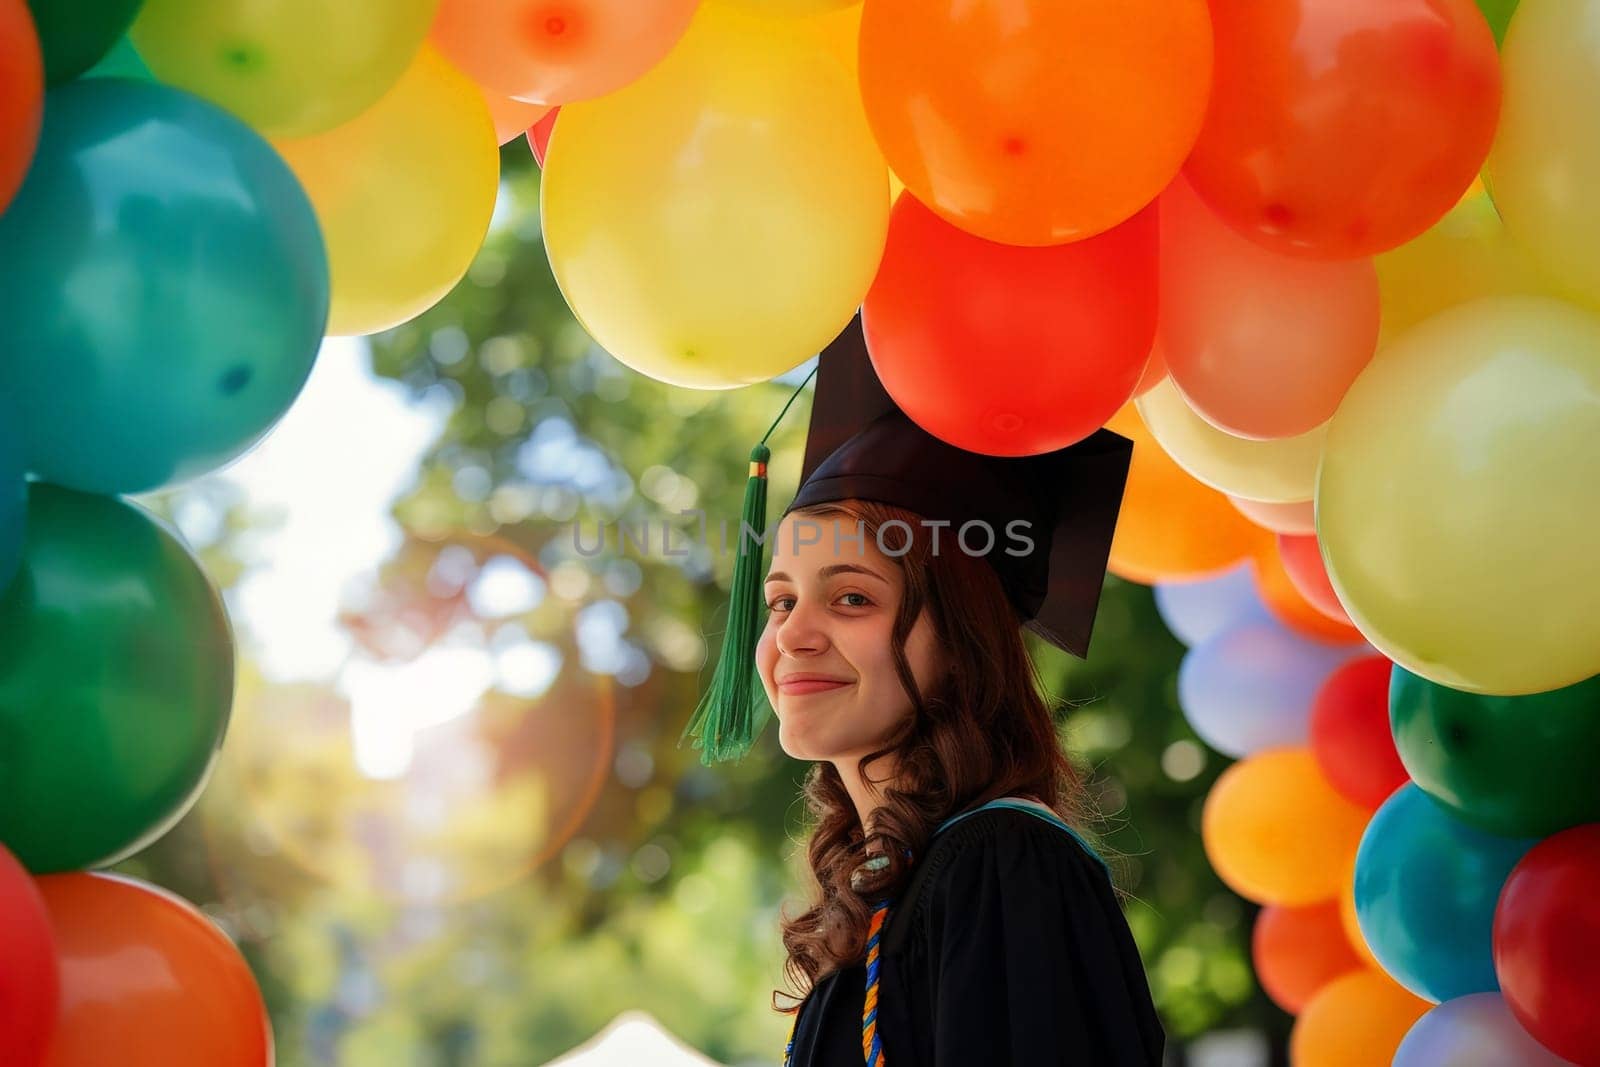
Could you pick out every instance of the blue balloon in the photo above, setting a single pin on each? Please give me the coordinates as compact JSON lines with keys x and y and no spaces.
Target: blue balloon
{"x":1193,"y":611}
{"x":13,"y":494}
{"x":1426,"y":886}
{"x":165,"y":289}
{"x":1472,"y":1031}
{"x":1251,"y":686}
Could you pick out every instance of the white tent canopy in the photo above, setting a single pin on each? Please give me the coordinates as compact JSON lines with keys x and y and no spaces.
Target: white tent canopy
{"x":631,"y":1039}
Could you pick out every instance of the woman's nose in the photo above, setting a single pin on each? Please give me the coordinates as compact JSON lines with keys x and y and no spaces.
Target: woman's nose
{"x":802,"y":631}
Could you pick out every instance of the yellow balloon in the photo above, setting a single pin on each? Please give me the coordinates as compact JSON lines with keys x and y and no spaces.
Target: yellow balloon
{"x":1276,"y":832}
{"x":1356,"y":1020}
{"x":1459,"y":499}
{"x":1295,"y":517}
{"x":1280,"y":471}
{"x":404,"y":193}
{"x":718,"y":221}
{"x":1466,"y":255}
{"x":290,"y":67}
{"x":1544,"y":167}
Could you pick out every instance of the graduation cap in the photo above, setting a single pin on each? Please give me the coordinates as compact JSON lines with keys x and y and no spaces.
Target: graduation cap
{"x":861,"y":446}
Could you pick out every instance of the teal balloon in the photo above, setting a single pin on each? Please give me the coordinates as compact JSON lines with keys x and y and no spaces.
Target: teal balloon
{"x":1499,"y":13}
{"x":1522,"y":765}
{"x":165,"y":288}
{"x":116,"y":681}
{"x":13,"y":495}
{"x":121,"y":62}
{"x":1425,"y":891}
{"x":75,"y":34}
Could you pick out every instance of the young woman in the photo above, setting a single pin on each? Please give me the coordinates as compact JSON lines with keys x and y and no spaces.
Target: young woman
{"x":956,"y":919}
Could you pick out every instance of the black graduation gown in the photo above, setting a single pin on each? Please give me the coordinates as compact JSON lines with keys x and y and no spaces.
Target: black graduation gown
{"x":1007,"y":947}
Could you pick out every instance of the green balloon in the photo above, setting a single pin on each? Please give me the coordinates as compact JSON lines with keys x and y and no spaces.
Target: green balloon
{"x":1499,"y":13}
{"x":1521,"y":766}
{"x":116,"y":680}
{"x":121,"y":62}
{"x":75,"y":34}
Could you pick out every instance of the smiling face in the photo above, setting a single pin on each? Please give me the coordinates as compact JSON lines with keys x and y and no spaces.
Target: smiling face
{"x":831,"y":611}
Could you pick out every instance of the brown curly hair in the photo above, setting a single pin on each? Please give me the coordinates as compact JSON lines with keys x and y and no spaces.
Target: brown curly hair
{"x":986,"y":731}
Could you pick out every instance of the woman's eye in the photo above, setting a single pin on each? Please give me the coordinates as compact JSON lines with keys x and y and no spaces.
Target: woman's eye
{"x":776,"y":602}
{"x":863,"y":596}
{"x":773,"y":605}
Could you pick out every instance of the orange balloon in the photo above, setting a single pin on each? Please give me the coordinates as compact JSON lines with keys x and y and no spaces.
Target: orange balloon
{"x":21,"y":95}
{"x":558,"y":51}
{"x":147,"y":979}
{"x":1035,"y":122}
{"x":512,"y":118}
{"x":1358,"y":1020}
{"x":1297,"y":951}
{"x":1172,"y":527}
{"x":1277,"y":832}
{"x":1302,"y":562}
{"x":1295,"y":518}
{"x":1341,"y":128}
{"x":1154,"y":370}
{"x":1260,"y":344}
{"x":1290,"y":607}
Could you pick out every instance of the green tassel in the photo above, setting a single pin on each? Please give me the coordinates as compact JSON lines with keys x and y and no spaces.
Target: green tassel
{"x":724,"y":724}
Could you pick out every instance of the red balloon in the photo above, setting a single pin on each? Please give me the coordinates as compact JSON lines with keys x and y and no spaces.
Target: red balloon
{"x":148,"y":979}
{"x":1341,"y":128}
{"x":1297,"y":951}
{"x":30,"y":981}
{"x":539,"y":135}
{"x":1010,"y":350}
{"x":1350,"y":733}
{"x":1303,"y":560}
{"x":21,"y":95}
{"x":1547,"y":943}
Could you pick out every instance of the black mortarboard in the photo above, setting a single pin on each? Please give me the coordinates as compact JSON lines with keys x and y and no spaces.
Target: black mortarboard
{"x":861,"y":446}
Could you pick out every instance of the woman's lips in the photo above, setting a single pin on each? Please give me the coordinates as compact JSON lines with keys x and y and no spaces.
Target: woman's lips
{"x":794,"y":689}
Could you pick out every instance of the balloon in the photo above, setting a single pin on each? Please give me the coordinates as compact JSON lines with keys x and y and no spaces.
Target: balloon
{"x":1302,"y":562}
{"x":1171,"y":528}
{"x":701,"y":188}
{"x":1350,"y":732}
{"x":122,"y":61}
{"x":1498,"y":13}
{"x":1357,"y":1019}
{"x":21,"y":96}
{"x":794,"y":7}
{"x":1195,"y":610}
{"x":146,"y":978}
{"x":539,"y":135}
{"x":1250,"y":686}
{"x":30,"y":978}
{"x":1509,"y":765}
{"x":1547,"y":940}
{"x":1289,"y":607}
{"x":1340,"y":128}
{"x":1155,"y":367}
{"x":1459,"y":496}
{"x":13,"y":494}
{"x":1036,"y":122}
{"x":114,"y":701}
{"x":1348,"y":919}
{"x":1298,"y":951}
{"x":1276,"y":832}
{"x":1468,"y":254}
{"x":1010,"y":351}
{"x":555,"y":54}
{"x":1294,"y":517}
{"x":512,"y":118}
{"x":75,"y":34}
{"x":1472,"y":1031}
{"x":1426,"y":885}
{"x":395,"y":248}
{"x":1279,"y":471}
{"x":1546,"y":156}
{"x":289,"y":68}
{"x":1261,"y":345}
{"x":166,"y":288}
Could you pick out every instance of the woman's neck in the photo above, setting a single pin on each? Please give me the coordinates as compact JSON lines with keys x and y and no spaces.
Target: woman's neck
{"x":867,"y":796}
